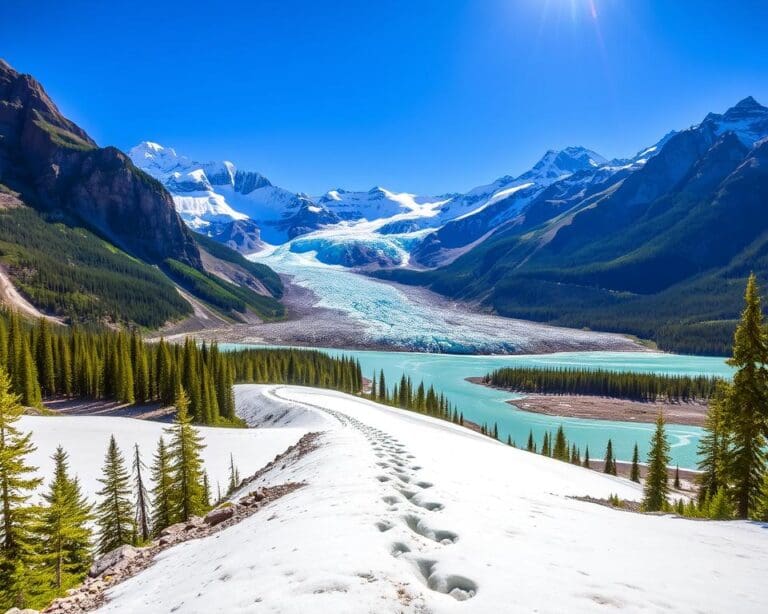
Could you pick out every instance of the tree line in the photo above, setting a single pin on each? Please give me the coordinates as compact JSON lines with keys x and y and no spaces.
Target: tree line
{"x":645,"y":387}
{"x":46,"y":361}
{"x":405,"y":395}
{"x":48,"y":547}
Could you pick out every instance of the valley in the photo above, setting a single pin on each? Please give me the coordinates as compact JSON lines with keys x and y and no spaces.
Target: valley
{"x":517,"y":374}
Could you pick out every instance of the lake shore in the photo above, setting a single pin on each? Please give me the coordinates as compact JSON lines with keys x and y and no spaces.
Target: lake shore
{"x":606,"y":408}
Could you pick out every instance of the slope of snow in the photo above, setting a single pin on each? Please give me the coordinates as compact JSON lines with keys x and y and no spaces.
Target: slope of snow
{"x":403,"y":513}
{"x":85,"y":438}
{"x":377,"y":203}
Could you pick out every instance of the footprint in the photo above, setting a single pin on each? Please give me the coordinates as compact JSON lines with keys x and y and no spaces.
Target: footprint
{"x":424,"y":485}
{"x":382,"y":478}
{"x":460,"y":588}
{"x":418,"y":526}
{"x":398,"y":549}
{"x":403,"y":478}
{"x":384,"y":525}
{"x":416,"y":467}
{"x":390,"y":500}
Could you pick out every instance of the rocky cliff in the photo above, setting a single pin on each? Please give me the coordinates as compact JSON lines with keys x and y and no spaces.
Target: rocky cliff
{"x":56,"y":166}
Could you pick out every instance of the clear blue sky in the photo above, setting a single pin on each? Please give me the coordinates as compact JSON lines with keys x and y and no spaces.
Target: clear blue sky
{"x":425,"y":96}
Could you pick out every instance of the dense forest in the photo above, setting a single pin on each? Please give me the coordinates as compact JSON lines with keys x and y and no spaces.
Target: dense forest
{"x":646,"y":387}
{"x":227,"y":297}
{"x":69,"y":271}
{"x":46,"y":361}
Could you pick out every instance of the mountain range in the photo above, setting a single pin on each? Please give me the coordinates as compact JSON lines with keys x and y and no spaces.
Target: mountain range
{"x":657,"y":244}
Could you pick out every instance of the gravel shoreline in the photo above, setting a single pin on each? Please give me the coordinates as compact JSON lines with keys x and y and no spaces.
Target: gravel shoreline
{"x":606,"y":408}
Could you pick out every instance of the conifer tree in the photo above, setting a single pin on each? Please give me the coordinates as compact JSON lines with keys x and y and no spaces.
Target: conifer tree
{"x":634,"y":474}
{"x":719,"y":507}
{"x":609,"y":465}
{"x":560,"y":448}
{"x":206,"y":491}
{"x":187,"y":496}
{"x":234,"y":476}
{"x":162,"y":489}
{"x":18,"y":517}
{"x":656,"y":484}
{"x":586,"y":458}
{"x":545,"y":445}
{"x":677,"y":478}
{"x":114,"y":513}
{"x":531,"y":445}
{"x":65,"y":537}
{"x":141,"y":518}
{"x":713,"y":445}
{"x":45,"y":365}
{"x":747,"y":417}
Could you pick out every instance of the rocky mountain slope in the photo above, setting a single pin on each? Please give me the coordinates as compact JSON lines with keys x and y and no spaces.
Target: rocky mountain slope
{"x":659,"y":248}
{"x":210,"y":195}
{"x":85,"y":234}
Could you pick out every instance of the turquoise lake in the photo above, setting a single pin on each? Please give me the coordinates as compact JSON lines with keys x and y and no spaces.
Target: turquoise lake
{"x":484,"y":405}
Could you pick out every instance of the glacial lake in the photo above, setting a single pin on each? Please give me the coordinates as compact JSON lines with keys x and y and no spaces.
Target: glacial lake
{"x":480,"y":404}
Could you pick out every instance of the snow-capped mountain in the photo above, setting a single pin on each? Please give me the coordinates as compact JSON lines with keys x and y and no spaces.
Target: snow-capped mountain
{"x":383,"y":227}
{"x":748,"y":120}
{"x":215,"y":193}
{"x":377,"y":203}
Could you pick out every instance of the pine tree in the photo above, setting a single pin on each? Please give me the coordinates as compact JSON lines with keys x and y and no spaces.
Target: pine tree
{"x":609,"y":465}
{"x":16,"y":487}
{"x":162,"y":489}
{"x":65,"y":537}
{"x":719,"y":507}
{"x":141,"y":517}
{"x":747,"y":415}
{"x":560,"y":449}
{"x":656,"y":484}
{"x":676,"y":484}
{"x":713,"y":445}
{"x":187,"y":496}
{"x":531,"y":445}
{"x":45,"y":365}
{"x":114,"y":513}
{"x":206,"y":491}
{"x":586,"y":458}
{"x":634,"y":474}
{"x":545,"y":445}
{"x":234,"y":476}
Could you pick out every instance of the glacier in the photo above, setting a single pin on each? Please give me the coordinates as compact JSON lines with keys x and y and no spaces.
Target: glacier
{"x":417,"y":320}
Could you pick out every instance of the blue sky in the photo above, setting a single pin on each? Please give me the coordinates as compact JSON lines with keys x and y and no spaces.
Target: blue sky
{"x":424,"y":96}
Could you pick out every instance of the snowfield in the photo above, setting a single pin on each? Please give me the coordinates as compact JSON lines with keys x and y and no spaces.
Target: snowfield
{"x":403,"y":513}
{"x":85,"y":438}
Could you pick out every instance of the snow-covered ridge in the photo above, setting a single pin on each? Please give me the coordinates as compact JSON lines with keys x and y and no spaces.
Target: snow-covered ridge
{"x":383,"y":227}
{"x":405,"y":513}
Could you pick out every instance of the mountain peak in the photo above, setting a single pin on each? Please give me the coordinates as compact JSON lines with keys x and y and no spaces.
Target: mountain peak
{"x":748,"y":103}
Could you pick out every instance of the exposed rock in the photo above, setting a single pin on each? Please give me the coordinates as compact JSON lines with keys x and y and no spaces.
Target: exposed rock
{"x":219,"y":515}
{"x":56,"y":166}
{"x":118,"y":555}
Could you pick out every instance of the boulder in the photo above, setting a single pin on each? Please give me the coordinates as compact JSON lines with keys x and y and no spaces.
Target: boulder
{"x":119,"y":555}
{"x":219,"y":515}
